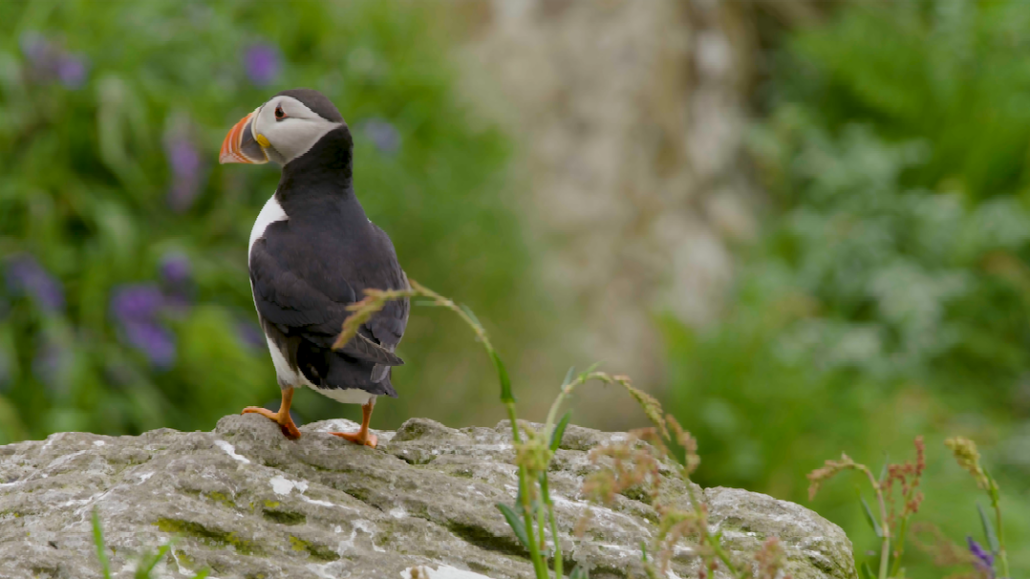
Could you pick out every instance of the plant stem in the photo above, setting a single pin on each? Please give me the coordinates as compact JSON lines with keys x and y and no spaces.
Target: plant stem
{"x":1001,"y":533}
{"x":885,"y":550}
{"x":558,"y":561}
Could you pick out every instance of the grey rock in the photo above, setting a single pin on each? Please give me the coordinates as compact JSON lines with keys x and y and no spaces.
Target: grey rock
{"x":248,"y":503}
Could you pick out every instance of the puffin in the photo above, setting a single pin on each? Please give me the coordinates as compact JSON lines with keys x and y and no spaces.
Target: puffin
{"x":313,"y":252}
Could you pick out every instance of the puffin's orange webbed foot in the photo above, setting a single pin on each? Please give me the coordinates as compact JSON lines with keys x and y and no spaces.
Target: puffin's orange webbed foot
{"x":363,"y":437}
{"x":282,"y":418}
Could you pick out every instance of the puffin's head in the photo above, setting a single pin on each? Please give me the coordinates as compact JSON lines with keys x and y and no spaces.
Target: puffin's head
{"x":282,"y":129}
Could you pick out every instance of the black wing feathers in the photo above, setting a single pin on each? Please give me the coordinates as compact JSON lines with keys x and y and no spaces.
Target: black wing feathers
{"x":303,"y":286}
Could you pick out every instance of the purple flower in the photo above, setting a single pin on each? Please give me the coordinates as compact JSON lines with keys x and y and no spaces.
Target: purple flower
{"x":383,"y":135}
{"x":72,"y":70}
{"x":185,"y":163}
{"x":136,"y":308}
{"x":250,"y":335}
{"x":137,"y":303}
{"x":25,"y":276}
{"x":984,"y":561}
{"x":36,"y":48}
{"x":50,"y":62}
{"x":175,"y":268}
{"x":262,"y":63}
{"x":157,"y":343}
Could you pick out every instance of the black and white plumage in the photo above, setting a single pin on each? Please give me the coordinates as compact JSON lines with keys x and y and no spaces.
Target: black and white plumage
{"x":313,"y":251}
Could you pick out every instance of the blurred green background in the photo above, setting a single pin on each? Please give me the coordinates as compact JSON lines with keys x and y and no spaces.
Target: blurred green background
{"x":887,"y":295}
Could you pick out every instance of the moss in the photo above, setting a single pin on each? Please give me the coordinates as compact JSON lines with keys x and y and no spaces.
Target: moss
{"x":270,"y":504}
{"x":285,"y":517}
{"x":184,"y":559}
{"x":314,"y":551}
{"x":221,"y":498}
{"x":211,"y":537}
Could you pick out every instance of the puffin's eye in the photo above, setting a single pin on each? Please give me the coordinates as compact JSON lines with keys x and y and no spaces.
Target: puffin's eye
{"x":279,"y":113}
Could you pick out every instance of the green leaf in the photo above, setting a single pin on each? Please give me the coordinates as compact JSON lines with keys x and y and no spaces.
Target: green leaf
{"x":568,"y":376}
{"x":992,"y":538}
{"x":643,"y":551}
{"x":148,"y":562}
{"x":98,"y":540}
{"x":502,"y":375}
{"x":867,"y":571}
{"x":579,"y":572}
{"x":590,"y":369}
{"x":559,"y":430}
{"x":516,"y":524}
{"x":870,"y":518}
{"x":203,"y":573}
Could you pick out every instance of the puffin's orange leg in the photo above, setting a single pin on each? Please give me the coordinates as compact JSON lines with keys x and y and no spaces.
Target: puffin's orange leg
{"x":282,"y":418}
{"x":362,"y":436}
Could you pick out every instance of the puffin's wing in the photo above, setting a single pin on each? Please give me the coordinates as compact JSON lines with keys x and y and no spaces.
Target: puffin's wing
{"x":313,"y":306}
{"x":388,"y":326}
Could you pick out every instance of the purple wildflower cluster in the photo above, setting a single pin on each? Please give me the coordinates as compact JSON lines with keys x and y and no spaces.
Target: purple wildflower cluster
{"x":982,"y":559}
{"x":137,"y":309}
{"x":187,"y":171}
{"x":383,"y":135}
{"x":49,"y":62}
{"x":26,"y":277}
{"x":262,"y":62}
{"x":176,"y":276}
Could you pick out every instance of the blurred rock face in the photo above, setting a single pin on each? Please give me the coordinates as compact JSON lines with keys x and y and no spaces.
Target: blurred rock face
{"x":631,"y":117}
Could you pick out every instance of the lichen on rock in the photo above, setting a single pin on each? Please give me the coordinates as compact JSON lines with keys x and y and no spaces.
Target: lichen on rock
{"x":249,"y":503}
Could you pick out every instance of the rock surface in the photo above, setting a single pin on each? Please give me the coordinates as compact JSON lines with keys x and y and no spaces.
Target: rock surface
{"x":249,"y":504}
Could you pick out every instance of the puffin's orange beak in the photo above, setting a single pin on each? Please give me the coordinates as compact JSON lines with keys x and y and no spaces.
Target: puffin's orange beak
{"x":240,"y":146}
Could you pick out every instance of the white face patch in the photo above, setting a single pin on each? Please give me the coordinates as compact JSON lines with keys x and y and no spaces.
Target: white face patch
{"x":292,"y":135}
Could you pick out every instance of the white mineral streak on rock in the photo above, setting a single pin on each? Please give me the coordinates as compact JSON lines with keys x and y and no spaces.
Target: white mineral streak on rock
{"x":283,"y":486}
{"x":441,"y":572}
{"x":398,"y":512}
{"x":231,"y":451}
{"x":99,"y":443}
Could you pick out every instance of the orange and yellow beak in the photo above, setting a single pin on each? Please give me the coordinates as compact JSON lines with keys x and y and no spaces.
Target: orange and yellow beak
{"x":241,"y":145}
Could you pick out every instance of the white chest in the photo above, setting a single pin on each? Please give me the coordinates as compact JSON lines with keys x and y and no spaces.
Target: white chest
{"x":270,"y":213}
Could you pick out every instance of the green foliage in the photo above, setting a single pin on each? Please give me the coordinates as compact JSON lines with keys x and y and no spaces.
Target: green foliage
{"x":111,"y":120}
{"x":954,"y":73}
{"x":889,"y":294}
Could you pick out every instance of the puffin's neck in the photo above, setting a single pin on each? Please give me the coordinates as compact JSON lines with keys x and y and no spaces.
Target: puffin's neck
{"x":320,"y":177}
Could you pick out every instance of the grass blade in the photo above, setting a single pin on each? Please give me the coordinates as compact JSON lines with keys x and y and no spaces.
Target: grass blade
{"x":579,"y":572}
{"x":569,"y":376}
{"x":148,"y":566}
{"x":516,"y":524}
{"x":98,"y":540}
{"x":883,"y":471}
{"x":992,"y":537}
{"x":559,"y":430}
{"x":203,"y":574}
{"x":506,"y":396}
{"x":867,"y":571}
{"x":870,"y":518}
